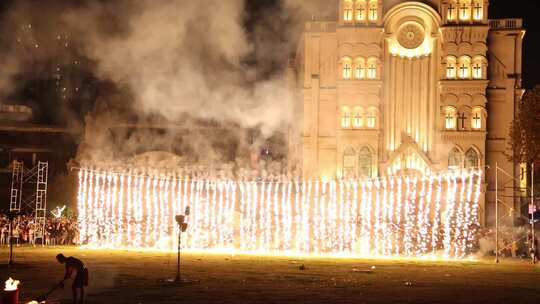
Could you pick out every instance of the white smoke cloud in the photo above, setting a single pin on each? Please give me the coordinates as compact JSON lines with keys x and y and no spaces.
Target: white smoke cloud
{"x":172,"y":58}
{"x":187,"y":57}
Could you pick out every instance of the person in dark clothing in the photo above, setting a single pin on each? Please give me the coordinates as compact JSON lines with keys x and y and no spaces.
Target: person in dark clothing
{"x":81,"y":278}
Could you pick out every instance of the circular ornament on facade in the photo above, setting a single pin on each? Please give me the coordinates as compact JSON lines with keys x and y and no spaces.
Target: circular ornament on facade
{"x":411,"y":36}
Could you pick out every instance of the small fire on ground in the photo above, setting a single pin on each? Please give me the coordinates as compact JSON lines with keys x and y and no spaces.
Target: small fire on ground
{"x":11,"y":284}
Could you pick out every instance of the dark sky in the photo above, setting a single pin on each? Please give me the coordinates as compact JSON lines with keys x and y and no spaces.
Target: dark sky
{"x":527,"y":10}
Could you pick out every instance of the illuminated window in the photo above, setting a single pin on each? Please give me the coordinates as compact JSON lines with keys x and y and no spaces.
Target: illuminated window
{"x":462,"y":118}
{"x":478,"y":10}
{"x":372,"y":71}
{"x":477,"y":68}
{"x":358,"y":118}
{"x":365,"y":162}
{"x":455,"y":159}
{"x":452,"y":11}
{"x":348,"y":11}
{"x":476,"y":121}
{"x":465,"y":10}
{"x":451,"y":66}
{"x":359,"y":68}
{"x":349,"y":162}
{"x":360,"y":10}
{"x":347,"y":68}
{"x":372,"y":119}
{"x":472,"y":160}
{"x":372,"y":68}
{"x":373,"y":10}
{"x":464,"y":67}
{"x":450,"y":118}
{"x":345,"y":117}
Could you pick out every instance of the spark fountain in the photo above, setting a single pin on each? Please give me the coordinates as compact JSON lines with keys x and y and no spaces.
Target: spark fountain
{"x":432,"y":216}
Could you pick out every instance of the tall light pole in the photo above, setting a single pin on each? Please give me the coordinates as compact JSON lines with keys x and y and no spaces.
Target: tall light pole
{"x":533,"y":209}
{"x":496,"y":212}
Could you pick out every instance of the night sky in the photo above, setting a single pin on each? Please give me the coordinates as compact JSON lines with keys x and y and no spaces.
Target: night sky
{"x":528,"y":11}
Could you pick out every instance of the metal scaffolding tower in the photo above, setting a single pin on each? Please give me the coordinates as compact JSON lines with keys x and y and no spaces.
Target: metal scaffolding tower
{"x":29,"y":192}
{"x":16,"y":187}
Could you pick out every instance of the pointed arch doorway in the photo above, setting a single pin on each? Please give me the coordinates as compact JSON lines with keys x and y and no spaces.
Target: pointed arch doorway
{"x":408,"y":159}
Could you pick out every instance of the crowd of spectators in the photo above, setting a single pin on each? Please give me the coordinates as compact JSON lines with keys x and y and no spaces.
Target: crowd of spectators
{"x":58,"y":231}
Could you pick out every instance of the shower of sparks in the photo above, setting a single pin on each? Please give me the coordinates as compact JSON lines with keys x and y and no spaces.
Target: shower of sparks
{"x":432,"y":216}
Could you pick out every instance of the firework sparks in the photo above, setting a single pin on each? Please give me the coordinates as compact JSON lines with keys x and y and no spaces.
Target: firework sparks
{"x":387,"y":217}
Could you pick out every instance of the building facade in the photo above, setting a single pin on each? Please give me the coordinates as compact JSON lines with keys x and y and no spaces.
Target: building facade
{"x":392,"y":87}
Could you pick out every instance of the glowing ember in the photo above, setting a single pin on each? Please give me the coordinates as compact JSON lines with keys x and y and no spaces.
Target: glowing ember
{"x":425,"y":216}
{"x":11,"y":285}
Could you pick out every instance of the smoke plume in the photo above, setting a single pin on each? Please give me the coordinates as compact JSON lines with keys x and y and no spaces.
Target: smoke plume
{"x":180,"y":57}
{"x":169,"y":62}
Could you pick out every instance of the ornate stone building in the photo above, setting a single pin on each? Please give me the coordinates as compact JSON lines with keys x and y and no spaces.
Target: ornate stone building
{"x":397,"y":86}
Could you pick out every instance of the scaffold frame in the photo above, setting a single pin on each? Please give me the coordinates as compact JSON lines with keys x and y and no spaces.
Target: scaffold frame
{"x":16,"y":187}
{"x":29,"y":192}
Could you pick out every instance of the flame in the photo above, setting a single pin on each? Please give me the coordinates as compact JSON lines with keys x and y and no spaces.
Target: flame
{"x":11,"y":285}
{"x":431,"y":216}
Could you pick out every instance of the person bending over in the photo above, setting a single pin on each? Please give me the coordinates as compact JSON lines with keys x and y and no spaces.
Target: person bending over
{"x":81,"y":277}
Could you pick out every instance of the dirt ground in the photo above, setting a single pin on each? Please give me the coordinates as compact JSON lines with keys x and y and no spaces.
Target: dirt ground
{"x":134,"y":277}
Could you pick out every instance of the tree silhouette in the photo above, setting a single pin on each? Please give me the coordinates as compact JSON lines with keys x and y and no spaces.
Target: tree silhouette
{"x":525,"y":130}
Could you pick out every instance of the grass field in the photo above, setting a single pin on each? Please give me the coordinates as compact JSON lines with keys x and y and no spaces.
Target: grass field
{"x":133,"y":277}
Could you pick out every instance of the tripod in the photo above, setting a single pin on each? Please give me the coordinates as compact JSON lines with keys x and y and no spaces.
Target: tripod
{"x":182,"y":227}
{"x":178,"y":278}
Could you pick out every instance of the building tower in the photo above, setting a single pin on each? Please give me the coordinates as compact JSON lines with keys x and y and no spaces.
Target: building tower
{"x":394,"y":87}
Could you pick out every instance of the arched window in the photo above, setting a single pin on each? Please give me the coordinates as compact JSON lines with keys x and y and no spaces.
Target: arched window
{"x":476,"y":120}
{"x":478,"y":10}
{"x":345,"y":117}
{"x":373,"y":14}
{"x":361,"y":9}
{"x":455,"y":159}
{"x":358,"y":118}
{"x":359,"y":68}
{"x":371,"y":121}
{"x":464,"y":67}
{"x":477,"y":70}
{"x":450,"y":118}
{"x":465,"y":10}
{"x":372,"y":68}
{"x":365,"y":162}
{"x":462,"y":120}
{"x":478,"y":67}
{"x":451,"y":67}
{"x":452,"y":11}
{"x":348,"y":11}
{"x":349,"y":162}
{"x":472,"y":160}
{"x":346,"y":64}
